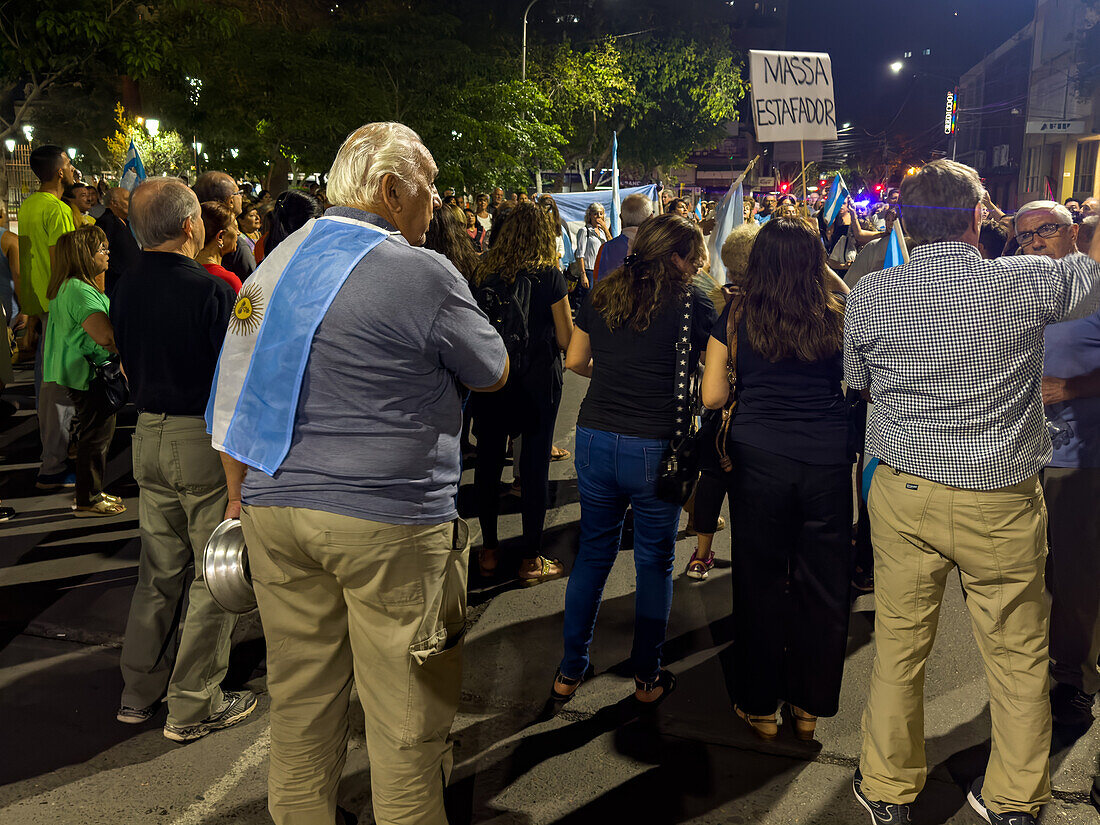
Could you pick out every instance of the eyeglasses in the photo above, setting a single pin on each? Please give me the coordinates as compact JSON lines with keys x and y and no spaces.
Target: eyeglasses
{"x":1047,"y":230}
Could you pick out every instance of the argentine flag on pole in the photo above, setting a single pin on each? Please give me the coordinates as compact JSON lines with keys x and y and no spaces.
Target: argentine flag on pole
{"x":133,"y":170}
{"x":616,"y":202}
{"x":258,"y":379}
{"x":729,"y":214}
{"x":838,"y":196}
{"x":896,"y":251}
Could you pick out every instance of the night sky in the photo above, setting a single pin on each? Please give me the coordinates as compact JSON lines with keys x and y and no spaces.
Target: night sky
{"x":864,"y":37}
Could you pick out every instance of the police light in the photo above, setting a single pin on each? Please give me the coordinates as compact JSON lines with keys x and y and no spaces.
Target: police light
{"x":878,"y":187}
{"x":785,"y":187}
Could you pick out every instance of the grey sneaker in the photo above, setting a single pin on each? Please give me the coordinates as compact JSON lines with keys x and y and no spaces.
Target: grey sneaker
{"x":992,"y":817}
{"x":881,"y":813}
{"x":135,"y":716}
{"x":238,"y":705}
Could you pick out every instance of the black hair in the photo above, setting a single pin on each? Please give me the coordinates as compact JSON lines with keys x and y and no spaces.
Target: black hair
{"x":46,"y":161}
{"x":993,"y":237}
{"x":292,"y":210}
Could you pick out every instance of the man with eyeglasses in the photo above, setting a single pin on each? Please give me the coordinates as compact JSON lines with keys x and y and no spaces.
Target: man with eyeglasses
{"x":1071,"y":481}
{"x":1045,"y":228}
{"x":221,"y":187}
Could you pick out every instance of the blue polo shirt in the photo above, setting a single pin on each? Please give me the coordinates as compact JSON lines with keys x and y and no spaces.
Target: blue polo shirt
{"x":376,"y":433}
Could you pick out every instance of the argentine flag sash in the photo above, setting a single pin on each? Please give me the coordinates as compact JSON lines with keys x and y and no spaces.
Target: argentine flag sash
{"x":254,"y":399}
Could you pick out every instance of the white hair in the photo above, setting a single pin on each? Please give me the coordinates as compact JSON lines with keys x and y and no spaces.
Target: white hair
{"x":158,"y":210}
{"x":637,"y":208}
{"x":370,"y":153}
{"x":1060,"y":213}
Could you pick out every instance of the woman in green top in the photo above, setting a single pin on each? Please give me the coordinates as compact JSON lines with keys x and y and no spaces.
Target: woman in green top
{"x":79,"y":329}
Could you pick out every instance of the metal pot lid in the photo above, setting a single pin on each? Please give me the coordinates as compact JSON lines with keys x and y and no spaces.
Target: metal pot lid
{"x":225,"y":568}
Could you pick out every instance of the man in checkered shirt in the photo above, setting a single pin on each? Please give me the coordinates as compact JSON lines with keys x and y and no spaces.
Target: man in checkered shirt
{"x":950,"y":348}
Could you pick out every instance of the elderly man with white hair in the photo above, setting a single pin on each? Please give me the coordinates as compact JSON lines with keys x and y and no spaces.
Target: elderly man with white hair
{"x":1045,"y":228}
{"x":337,"y":412}
{"x":637,"y":209}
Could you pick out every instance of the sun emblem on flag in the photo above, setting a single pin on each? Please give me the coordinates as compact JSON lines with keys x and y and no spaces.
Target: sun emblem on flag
{"x":248,"y":311}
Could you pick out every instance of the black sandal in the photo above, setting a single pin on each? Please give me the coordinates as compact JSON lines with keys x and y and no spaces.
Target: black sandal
{"x":562,"y":698}
{"x":665,"y":679}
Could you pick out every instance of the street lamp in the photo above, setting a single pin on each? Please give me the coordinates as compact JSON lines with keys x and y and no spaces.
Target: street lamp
{"x":523,"y":50}
{"x":897,"y":66}
{"x":72,"y":153}
{"x":10,"y":144}
{"x":28,"y":130}
{"x":152,"y":126}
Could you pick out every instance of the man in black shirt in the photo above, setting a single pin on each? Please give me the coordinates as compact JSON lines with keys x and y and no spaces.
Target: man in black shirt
{"x":120,"y":240}
{"x":170,"y":317}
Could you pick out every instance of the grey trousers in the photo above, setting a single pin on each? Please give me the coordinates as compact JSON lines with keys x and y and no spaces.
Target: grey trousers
{"x":55,"y":412}
{"x":183,"y":498}
{"x":1073,"y":575}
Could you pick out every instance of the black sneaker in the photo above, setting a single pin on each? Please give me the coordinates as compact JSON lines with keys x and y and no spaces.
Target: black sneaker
{"x":135,"y":716}
{"x":1071,"y":706}
{"x":993,"y":818}
{"x":56,"y":481}
{"x":238,"y":705}
{"x":882,"y":813}
{"x":7,"y":513}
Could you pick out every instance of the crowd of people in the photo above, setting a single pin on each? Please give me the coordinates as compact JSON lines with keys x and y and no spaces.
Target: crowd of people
{"x":336,"y":434}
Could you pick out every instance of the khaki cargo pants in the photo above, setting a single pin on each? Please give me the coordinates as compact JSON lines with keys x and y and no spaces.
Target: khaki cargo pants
{"x":921,"y":530}
{"x":343,"y":598}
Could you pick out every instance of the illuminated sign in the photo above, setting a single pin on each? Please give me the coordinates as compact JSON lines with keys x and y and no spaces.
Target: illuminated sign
{"x":951,"y":115}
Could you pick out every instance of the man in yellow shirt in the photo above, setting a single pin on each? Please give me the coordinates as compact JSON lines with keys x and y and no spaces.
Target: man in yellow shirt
{"x":43,"y":218}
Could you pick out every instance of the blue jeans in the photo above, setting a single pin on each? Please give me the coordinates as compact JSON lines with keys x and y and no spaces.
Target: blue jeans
{"x":613,"y":471}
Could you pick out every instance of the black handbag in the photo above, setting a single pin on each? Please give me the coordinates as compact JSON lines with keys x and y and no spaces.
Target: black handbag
{"x":679,"y":469}
{"x":110,"y":380}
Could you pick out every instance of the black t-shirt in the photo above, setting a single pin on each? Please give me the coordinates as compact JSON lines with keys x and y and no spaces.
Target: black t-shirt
{"x":170,"y":317}
{"x":633,"y":372}
{"x":792,"y":408}
{"x":547,"y":288}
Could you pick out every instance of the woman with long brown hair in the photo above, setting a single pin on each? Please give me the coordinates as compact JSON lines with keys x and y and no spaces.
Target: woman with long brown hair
{"x":626,"y":342}
{"x":521,"y":262}
{"x":790,"y":485}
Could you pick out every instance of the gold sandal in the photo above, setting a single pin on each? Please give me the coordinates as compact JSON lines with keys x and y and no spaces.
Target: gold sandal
{"x":549,"y":569}
{"x":100,"y":509}
{"x":765,"y":727}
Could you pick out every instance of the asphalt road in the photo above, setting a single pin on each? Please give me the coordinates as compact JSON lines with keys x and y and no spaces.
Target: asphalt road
{"x":65,"y":588}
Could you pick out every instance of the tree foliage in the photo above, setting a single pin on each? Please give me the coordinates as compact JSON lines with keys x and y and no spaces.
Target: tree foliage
{"x":161,"y":154}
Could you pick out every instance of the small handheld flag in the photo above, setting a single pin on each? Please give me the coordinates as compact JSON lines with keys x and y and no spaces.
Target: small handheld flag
{"x":838,"y":196}
{"x":729,"y":214}
{"x":133,"y":170}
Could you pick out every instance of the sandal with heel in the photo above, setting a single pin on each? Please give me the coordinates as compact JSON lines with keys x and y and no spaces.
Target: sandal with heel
{"x":666,"y":680}
{"x":565,"y":681}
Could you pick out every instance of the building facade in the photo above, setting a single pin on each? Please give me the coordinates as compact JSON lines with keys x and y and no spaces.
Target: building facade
{"x":1062,"y":132}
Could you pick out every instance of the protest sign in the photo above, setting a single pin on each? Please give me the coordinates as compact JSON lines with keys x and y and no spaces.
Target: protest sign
{"x":792,"y":96}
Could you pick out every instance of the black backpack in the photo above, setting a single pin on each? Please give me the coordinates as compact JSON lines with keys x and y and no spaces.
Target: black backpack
{"x":508,"y":306}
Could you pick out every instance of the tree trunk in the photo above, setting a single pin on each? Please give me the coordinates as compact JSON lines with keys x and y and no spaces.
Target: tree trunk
{"x":277,"y":172}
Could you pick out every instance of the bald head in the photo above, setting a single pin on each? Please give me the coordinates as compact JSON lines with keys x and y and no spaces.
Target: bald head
{"x":164,"y":215}
{"x":118,"y":201}
{"x":636,"y":209}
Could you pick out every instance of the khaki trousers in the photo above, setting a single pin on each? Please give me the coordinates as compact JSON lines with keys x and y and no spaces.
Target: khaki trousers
{"x":921,"y":530}
{"x":343,"y":598}
{"x":183,"y":498}
{"x":1073,"y":575}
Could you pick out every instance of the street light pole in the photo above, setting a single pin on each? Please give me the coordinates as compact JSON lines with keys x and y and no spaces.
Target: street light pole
{"x":523,"y":50}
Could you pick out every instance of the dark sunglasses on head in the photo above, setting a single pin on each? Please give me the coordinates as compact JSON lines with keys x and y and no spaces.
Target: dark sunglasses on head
{"x":1047,"y":230}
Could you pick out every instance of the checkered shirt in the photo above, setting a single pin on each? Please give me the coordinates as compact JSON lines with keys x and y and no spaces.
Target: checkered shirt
{"x":951,"y":347}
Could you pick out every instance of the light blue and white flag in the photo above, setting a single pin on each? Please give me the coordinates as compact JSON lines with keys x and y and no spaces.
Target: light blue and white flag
{"x":699,"y":208}
{"x":838,"y":196}
{"x":254,"y":399}
{"x":616,"y":202}
{"x":897,"y":253}
{"x":572,"y":205}
{"x":133,"y":170}
{"x":730,"y":214}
